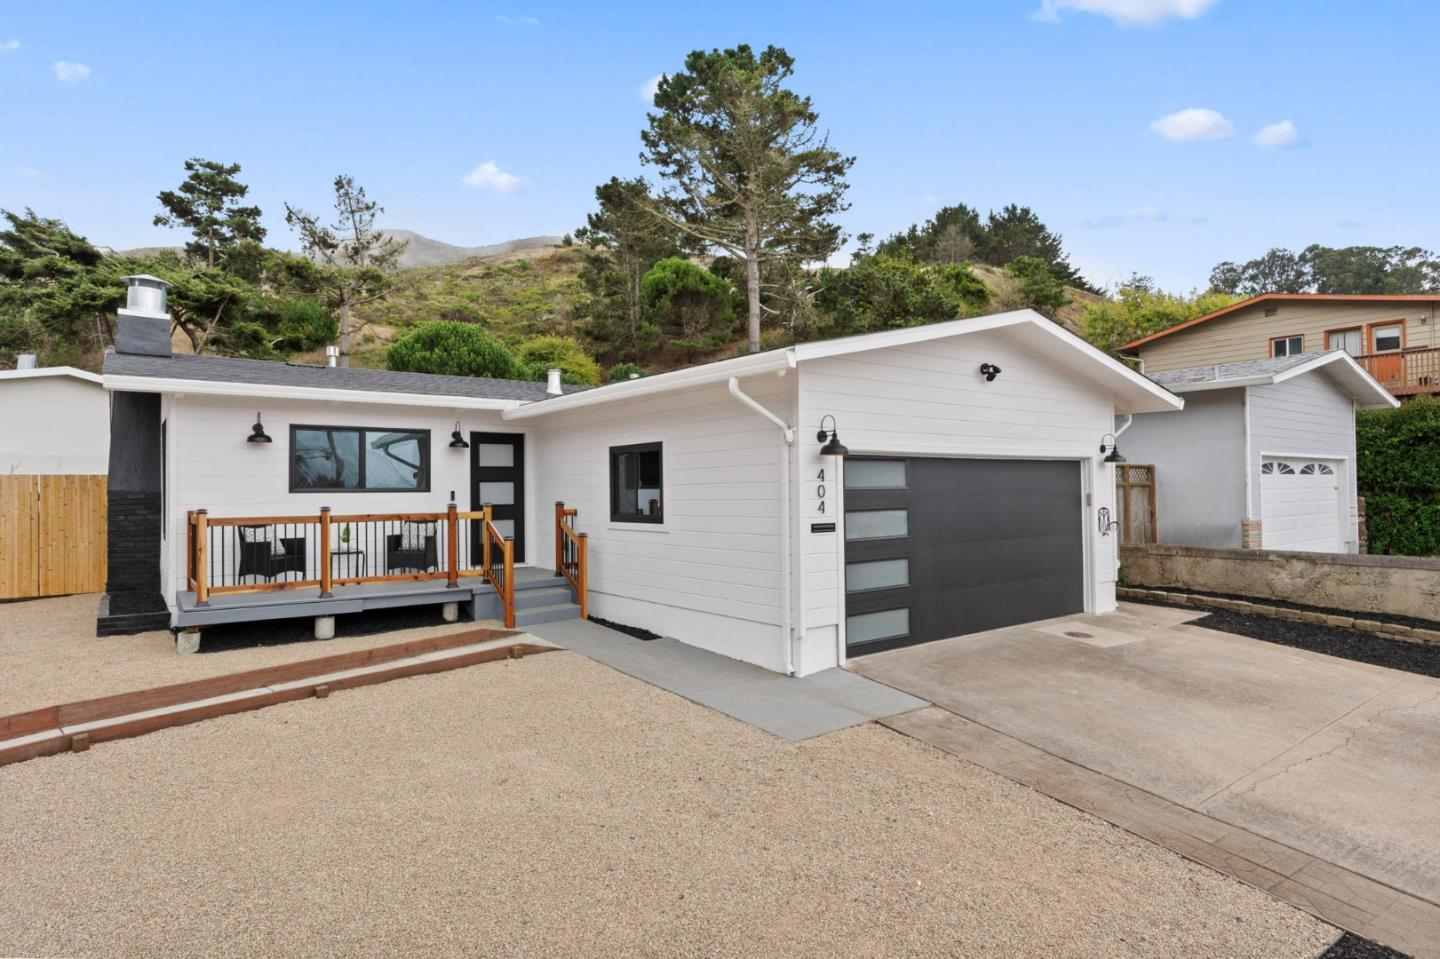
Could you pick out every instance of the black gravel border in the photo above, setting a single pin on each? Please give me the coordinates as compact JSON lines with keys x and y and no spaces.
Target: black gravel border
{"x":636,"y":631}
{"x":1351,"y":946}
{"x":1352,"y":644}
{"x":1415,"y":622}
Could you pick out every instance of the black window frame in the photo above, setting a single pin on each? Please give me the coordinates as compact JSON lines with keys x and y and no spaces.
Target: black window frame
{"x":425,"y":444}
{"x":615,"y":452}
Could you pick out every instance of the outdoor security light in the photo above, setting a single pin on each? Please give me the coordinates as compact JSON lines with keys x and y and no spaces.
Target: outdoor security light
{"x":833,"y":446}
{"x":989,"y":371}
{"x":257,"y":432}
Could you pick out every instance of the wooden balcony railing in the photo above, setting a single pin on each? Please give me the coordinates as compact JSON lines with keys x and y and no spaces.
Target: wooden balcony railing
{"x":571,"y":557}
{"x":251,"y":554}
{"x":1405,"y":372}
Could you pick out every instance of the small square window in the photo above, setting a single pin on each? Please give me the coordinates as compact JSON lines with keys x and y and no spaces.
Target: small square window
{"x":1388,"y":338}
{"x":1287,"y":346}
{"x":636,"y":484}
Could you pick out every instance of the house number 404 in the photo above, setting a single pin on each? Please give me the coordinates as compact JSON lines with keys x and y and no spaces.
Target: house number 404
{"x":820,"y":489}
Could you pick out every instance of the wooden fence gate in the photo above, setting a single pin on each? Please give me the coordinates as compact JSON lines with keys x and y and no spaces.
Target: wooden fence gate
{"x":1135,"y":500}
{"x":52,"y":535}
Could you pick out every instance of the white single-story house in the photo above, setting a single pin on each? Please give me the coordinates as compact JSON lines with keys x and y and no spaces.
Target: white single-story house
{"x":1263,"y":455}
{"x":787,"y":508}
{"x":56,"y":421}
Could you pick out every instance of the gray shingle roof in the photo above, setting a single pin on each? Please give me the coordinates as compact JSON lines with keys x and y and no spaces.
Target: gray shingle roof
{"x":1233,"y":371}
{"x":224,"y":369}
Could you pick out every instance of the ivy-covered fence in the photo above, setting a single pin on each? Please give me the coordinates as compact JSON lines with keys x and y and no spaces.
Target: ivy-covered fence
{"x":1399,"y":476}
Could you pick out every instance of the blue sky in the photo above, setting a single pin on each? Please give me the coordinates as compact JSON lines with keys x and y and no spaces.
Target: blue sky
{"x":1058,"y":104}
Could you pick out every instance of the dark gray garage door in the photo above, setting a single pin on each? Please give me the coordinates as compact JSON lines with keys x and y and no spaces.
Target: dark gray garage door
{"x":943,"y":547}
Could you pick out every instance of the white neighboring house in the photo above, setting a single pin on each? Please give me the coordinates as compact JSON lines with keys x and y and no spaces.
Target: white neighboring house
{"x":1263,"y":455}
{"x":968,"y":497}
{"x":53,"y":419}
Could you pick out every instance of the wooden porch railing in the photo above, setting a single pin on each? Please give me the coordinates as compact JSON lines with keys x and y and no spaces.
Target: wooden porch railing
{"x":1405,"y":372}
{"x":572,"y":556}
{"x":252,"y":554}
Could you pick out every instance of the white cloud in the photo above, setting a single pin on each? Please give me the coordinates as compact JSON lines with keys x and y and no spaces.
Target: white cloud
{"x":647,"y":90}
{"x":1194,"y":124}
{"x":489,"y":176}
{"x":1138,"y":214}
{"x":517,"y":21}
{"x":1278,"y":135}
{"x":28,"y":172}
{"x":1127,"y":13}
{"x":67,"y":72}
{"x":9,"y":46}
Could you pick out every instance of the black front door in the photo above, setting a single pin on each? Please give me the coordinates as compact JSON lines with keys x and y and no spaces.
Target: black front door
{"x":497,"y":477}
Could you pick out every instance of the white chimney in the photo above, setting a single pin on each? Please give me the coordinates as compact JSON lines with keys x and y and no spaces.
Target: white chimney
{"x":552,"y":382}
{"x":25,"y":361}
{"x":332,"y":355}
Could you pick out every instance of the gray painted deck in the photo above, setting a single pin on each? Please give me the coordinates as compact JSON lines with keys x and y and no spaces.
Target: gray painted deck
{"x":473,"y":591}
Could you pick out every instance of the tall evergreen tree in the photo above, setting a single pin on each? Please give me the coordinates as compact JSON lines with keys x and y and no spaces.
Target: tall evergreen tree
{"x":357,"y":257}
{"x":208,"y":205}
{"x":748,"y":169}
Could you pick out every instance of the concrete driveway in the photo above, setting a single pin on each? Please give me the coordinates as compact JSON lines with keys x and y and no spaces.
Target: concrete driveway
{"x":1340,"y":760}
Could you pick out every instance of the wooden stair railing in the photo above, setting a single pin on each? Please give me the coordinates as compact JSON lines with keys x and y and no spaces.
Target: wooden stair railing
{"x":572,"y":556}
{"x":499,"y":564}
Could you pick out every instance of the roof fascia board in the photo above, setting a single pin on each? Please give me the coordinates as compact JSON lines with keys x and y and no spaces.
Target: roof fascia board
{"x":720,"y":372}
{"x":153,"y":384}
{"x":44,"y":371}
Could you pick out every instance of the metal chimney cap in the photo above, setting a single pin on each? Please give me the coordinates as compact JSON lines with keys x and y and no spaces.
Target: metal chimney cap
{"x":145,"y":279}
{"x":26,"y":361}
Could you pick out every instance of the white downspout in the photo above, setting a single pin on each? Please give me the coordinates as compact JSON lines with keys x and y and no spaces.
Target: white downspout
{"x":1129,"y":418}
{"x":787,"y":436}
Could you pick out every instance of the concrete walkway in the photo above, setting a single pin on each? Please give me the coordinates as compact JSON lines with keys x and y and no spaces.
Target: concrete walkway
{"x":787,"y":707}
{"x":1331,"y":766}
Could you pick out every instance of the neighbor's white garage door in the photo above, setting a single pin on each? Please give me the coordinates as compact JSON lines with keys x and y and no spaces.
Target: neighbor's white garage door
{"x":1300,"y":505}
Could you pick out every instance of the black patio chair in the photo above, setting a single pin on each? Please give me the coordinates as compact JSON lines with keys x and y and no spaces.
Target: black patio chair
{"x":258,"y":557}
{"x":421,"y":560}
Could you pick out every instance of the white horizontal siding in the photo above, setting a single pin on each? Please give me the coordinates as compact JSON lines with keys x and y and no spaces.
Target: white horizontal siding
{"x":1308,"y":415}
{"x":709,"y":574}
{"x":53,"y":424}
{"x":930,"y":400}
{"x":213,"y":468}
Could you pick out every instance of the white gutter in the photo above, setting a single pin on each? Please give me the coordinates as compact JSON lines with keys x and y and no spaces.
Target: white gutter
{"x":718,"y":372}
{"x":787,"y":439}
{"x":155,"y":384}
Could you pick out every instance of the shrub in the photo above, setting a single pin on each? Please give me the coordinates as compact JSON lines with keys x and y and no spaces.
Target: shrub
{"x":885,"y":292}
{"x":685,"y":301}
{"x":1037,"y":285}
{"x":304,"y":325}
{"x":1398,"y":458}
{"x":454,"y":349}
{"x":544,"y":353}
{"x":621,"y":372}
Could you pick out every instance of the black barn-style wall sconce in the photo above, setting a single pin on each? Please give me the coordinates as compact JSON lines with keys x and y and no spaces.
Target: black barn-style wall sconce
{"x":831,"y":439}
{"x":457,"y":442}
{"x":257,"y":432}
{"x":1114,"y":455}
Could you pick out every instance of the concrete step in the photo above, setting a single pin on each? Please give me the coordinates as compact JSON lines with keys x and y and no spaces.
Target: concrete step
{"x":549,"y":596}
{"x":546,"y":614}
{"x":537,"y":579}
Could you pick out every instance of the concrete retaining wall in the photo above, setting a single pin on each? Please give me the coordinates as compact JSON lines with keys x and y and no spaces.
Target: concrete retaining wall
{"x":1397,"y":585}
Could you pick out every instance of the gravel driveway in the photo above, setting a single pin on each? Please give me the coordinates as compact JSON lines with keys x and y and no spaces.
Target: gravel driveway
{"x":551,"y":806}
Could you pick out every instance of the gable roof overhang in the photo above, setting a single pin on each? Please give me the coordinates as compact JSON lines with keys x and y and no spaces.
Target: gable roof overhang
{"x":1297,"y":297}
{"x":1132,"y":392}
{"x":1338,"y":365}
{"x":41,"y":372}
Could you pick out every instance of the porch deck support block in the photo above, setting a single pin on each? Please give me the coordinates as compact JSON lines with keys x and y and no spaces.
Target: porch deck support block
{"x":450,"y":612}
{"x":324,"y":627}
{"x":188,"y":641}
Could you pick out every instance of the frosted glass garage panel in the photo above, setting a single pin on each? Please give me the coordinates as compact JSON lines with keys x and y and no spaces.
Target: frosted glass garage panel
{"x":875,"y":474}
{"x":877,"y":523}
{"x":498,"y":494}
{"x":877,"y":574}
{"x":870,"y":627}
{"x":497,"y":454}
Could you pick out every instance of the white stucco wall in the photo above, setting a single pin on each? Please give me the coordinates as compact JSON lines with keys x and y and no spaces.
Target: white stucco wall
{"x":53,"y":424}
